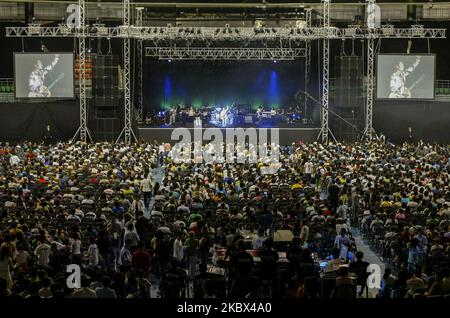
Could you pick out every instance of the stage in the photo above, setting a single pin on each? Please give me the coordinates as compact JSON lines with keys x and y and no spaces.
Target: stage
{"x":286,"y":135}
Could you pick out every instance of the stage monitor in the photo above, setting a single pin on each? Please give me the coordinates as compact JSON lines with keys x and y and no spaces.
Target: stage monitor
{"x":405,"y":76}
{"x":44,"y":75}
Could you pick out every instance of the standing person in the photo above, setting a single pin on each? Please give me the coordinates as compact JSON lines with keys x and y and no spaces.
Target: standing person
{"x":309,"y":170}
{"x":93,"y":253}
{"x":422,"y":247}
{"x":269,"y":258}
{"x":76,"y":249}
{"x":146,"y":188}
{"x":42,"y":253}
{"x":178,"y":248}
{"x":360,"y":269}
{"x":140,"y":260}
{"x":6,"y":264}
{"x":333,"y":195}
{"x":355,"y":207}
{"x":342,"y":242}
{"x":242,"y":264}
{"x":192,"y":254}
{"x":125,"y":257}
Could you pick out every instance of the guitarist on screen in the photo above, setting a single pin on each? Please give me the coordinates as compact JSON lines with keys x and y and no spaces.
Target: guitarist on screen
{"x":398,"y":80}
{"x":36,"y":81}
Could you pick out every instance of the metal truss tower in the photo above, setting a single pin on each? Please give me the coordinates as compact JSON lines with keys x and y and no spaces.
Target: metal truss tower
{"x":140,"y":67}
{"x":127,"y":131}
{"x":325,"y":130}
{"x":83,"y":131}
{"x":308,"y":18}
{"x":369,"y":132}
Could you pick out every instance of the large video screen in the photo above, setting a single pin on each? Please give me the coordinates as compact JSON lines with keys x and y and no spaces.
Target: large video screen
{"x":405,"y":76}
{"x":44,"y":75}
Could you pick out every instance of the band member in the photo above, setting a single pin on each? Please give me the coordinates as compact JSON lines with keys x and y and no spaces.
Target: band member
{"x":36,"y":81}
{"x":224,"y":116}
{"x":398,"y":80}
{"x":173,"y":116}
{"x":259,"y":112}
{"x":191,"y":114}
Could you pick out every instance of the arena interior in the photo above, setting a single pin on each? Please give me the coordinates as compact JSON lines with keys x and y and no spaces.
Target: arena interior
{"x":254,"y":151}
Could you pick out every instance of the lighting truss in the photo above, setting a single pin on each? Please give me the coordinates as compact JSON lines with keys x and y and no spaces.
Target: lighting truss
{"x":199,"y":53}
{"x":243,"y":34}
{"x":239,"y":35}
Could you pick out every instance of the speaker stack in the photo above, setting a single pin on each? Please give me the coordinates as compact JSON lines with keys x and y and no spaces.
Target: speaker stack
{"x":107,"y":117}
{"x":348,"y":97}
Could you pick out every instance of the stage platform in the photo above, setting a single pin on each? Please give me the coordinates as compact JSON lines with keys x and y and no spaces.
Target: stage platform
{"x":287,"y":135}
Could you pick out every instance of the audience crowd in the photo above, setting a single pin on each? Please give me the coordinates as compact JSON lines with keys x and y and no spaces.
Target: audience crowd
{"x":141,"y":224}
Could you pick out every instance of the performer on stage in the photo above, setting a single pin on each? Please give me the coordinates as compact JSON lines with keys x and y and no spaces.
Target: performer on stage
{"x":259,"y":112}
{"x":398,"y":80}
{"x":173,"y":116}
{"x":224,"y":116}
{"x":36,"y":81}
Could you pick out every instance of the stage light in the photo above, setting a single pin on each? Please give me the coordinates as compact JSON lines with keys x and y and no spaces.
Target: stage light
{"x":417,"y":30}
{"x":64,"y":29}
{"x":34,"y":28}
{"x":169,"y":60}
{"x":275,"y":61}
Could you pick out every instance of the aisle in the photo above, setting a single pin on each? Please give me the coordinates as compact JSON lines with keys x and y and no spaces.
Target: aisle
{"x":159,"y":176}
{"x":369,"y":256}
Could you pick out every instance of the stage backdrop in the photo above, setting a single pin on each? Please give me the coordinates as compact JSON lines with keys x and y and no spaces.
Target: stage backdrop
{"x":29,"y":121}
{"x":220,"y":83}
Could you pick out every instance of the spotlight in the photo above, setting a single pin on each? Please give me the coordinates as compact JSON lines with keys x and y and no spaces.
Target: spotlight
{"x":169,"y":60}
{"x":275,"y":61}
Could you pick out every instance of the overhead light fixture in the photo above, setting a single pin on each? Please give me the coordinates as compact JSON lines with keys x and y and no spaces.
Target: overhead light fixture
{"x":300,"y":24}
{"x":388,"y":29}
{"x":101,"y":29}
{"x":64,"y":29}
{"x":34,"y":28}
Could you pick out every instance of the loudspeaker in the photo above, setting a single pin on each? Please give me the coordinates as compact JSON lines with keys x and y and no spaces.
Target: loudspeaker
{"x":349,"y":82}
{"x":105,"y":81}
